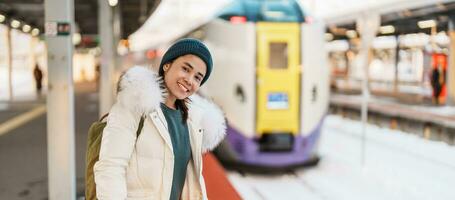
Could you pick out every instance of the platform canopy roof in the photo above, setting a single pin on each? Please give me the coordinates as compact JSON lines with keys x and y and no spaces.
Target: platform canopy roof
{"x":402,"y":16}
{"x":346,"y":11}
{"x":133,"y":14}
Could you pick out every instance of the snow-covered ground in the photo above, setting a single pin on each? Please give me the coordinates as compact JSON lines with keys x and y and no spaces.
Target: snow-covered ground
{"x":397,"y":166}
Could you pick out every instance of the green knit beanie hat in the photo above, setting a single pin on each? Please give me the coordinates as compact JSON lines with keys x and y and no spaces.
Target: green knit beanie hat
{"x":188,"y":46}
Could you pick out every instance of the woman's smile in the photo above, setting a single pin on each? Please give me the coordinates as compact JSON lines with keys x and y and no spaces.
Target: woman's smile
{"x":184,"y":89}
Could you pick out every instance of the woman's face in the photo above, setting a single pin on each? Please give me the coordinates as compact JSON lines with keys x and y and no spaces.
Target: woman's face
{"x":184,"y":75}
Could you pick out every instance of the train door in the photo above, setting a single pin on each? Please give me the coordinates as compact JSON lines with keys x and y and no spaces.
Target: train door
{"x":278,"y":79}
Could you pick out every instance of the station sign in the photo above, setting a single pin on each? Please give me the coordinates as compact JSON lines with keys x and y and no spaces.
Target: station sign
{"x":57,"y":28}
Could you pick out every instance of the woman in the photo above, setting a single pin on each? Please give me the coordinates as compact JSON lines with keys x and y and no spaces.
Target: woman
{"x":165,"y":161}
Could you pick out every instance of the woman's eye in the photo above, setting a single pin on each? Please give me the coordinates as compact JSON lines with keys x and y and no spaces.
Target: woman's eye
{"x":186,"y":69}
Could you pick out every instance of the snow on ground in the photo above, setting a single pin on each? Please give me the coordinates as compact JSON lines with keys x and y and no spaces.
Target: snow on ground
{"x":397,"y":165}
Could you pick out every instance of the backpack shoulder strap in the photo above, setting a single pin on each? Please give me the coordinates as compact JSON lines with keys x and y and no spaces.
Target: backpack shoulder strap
{"x":139,"y":129}
{"x":141,"y":125}
{"x":104,"y":116}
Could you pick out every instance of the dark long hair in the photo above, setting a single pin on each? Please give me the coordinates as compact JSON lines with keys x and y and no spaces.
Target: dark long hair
{"x":180,"y":104}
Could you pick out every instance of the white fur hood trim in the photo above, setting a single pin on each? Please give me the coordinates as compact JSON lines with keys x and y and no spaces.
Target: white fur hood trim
{"x":140,"y":92}
{"x":211,"y":119}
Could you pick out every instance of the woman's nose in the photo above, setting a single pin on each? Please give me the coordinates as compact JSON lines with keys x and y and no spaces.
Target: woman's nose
{"x":188,"y":80}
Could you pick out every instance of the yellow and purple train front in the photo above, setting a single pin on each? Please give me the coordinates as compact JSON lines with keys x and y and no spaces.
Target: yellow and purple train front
{"x":272,"y":80}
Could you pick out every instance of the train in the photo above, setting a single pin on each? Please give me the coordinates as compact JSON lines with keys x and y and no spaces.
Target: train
{"x":271,"y":79}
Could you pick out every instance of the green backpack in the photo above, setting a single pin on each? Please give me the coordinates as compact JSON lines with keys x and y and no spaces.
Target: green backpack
{"x":95,"y":133}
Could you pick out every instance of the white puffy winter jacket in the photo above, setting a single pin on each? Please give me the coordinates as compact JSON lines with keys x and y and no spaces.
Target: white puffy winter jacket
{"x":142,"y":168}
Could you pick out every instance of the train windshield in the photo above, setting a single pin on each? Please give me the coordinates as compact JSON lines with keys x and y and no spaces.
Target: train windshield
{"x":269,"y":11}
{"x":281,"y":11}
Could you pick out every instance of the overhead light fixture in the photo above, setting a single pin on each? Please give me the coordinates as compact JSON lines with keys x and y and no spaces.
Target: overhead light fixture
{"x":387,"y":29}
{"x":77,"y":38}
{"x":26,"y":28}
{"x":2,"y":18}
{"x":15,"y":23}
{"x":426,"y":23}
{"x":113,"y":2}
{"x":328,"y":37}
{"x":351,"y":34}
{"x":35,"y":32}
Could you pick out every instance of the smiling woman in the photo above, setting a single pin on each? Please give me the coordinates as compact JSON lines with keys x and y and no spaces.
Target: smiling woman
{"x":165,"y":160}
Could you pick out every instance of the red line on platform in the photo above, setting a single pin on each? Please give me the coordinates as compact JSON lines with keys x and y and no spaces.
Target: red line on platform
{"x":216,"y":181}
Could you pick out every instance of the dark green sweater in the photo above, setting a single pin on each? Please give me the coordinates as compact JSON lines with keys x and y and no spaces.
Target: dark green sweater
{"x":178,"y":131}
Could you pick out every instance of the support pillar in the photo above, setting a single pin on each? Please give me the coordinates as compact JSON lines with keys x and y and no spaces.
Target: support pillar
{"x":107,"y":62}
{"x":60,"y":100}
{"x":9,"y":62}
{"x":368,"y":24}
{"x":117,"y":35}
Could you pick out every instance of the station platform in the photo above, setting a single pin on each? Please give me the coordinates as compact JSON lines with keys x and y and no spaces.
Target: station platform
{"x":432,"y":122}
{"x":216,"y":181}
{"x":23,"y":148}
